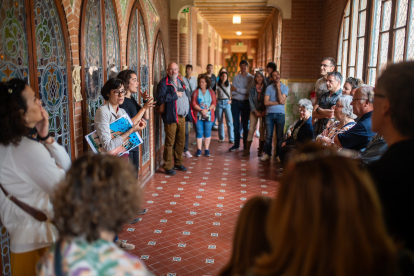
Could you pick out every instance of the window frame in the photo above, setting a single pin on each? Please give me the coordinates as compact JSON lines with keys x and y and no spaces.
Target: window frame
{"x":372,"y":39}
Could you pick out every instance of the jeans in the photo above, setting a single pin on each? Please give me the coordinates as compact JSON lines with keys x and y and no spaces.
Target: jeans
{"x":134,"y":160}
{"x":224,"y":107}
{"x":186,"y":136}
{"x":240,"y":108}
{"x":204,"y":128}
{"x":273,"y":119}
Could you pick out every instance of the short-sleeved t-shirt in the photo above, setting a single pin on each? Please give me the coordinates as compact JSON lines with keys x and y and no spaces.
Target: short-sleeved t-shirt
{"x":358,"y":137}
{"x":271,"y":91}
{"x":132,"y":108}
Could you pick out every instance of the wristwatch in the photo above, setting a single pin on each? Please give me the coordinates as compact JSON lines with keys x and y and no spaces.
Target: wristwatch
{"x":317,"y":110}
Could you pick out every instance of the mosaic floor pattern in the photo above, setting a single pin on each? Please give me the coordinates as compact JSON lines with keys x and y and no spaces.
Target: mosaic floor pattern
{"x":191,"y":216}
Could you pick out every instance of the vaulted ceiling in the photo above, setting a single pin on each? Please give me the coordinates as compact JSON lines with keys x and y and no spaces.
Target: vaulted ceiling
{"x":219,"y":13}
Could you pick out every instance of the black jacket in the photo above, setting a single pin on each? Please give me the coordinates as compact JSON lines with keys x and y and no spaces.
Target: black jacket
{"x":166,"y":95}
{"x":305,"y":133}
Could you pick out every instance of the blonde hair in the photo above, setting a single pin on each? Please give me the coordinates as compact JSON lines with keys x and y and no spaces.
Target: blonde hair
{"x":326,"y":221}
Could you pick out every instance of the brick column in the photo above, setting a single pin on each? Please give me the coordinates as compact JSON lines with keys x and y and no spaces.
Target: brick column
{"x":174,"y":45}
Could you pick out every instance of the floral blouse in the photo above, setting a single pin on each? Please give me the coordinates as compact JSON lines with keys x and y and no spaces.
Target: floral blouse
{"x":98,"y":258}
{"x":333,"y":130}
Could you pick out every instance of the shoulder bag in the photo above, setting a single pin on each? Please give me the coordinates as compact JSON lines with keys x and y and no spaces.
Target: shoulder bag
{"x":36,"y":214}
{"x":225,"y":92}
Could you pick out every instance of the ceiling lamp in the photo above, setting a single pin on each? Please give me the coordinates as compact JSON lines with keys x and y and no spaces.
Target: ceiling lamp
{"x":238,"y":33}
{"x":237,"y":19}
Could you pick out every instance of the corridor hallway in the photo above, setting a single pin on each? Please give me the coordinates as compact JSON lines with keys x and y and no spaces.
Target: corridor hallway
{"x":191,"y":216}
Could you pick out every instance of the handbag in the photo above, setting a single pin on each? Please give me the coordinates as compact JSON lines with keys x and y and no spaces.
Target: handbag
{"x":160,"y":108}
{"x":36,"y":214}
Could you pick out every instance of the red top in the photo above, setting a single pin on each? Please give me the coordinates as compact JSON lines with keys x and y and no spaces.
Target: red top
{"x":194,"y":103}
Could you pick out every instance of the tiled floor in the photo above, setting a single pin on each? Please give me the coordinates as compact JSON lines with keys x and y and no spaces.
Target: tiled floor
{"x":191,"y":216}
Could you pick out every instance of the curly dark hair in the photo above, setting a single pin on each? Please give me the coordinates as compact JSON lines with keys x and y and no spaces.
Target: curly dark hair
{"x":126,"y":76}
{"x":206,"y":78}
{"x":99,"y":192}
{"x":110,"y":85}
{"x":12,"y":103}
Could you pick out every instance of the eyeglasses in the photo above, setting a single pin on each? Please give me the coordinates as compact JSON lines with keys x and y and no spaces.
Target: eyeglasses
{"x":119,"y":92}
{"x":357,"y":99}
{"x":340,"y":106}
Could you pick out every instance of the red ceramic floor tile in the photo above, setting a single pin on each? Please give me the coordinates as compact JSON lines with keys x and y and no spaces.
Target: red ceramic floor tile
{"x":196,"y":209}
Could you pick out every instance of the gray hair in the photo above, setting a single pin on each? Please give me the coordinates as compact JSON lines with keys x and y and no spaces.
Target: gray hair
{"x":366,"y":90}
{"x":337,"y":75}
{"x":306,"y":104}
{"x":347,"y":109}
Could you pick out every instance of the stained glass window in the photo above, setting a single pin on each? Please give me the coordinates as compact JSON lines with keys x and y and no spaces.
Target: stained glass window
{"x":93,"y":61}
{"x":144,"y":80}
{"x":163,"y":72}
{"x":351,"y":47}
{"x":133,"y":44}
{"x":52,"y":70}
{"x":13,"y":47}
{"x":410,"y":44}
{"x":113,"y":62}
{"x":157,"y":78}
{"x":390,"y":37}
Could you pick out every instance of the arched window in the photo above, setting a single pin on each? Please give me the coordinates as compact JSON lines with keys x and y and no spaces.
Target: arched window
{"x":158,"y":73}
{"x":138,"y":62}
{"x":387,"y":36}
{"x":47,"y":69}
{"x":391,"y":42}
{"x":100,"y":56}
{"x":38,"y":27}
{"x":352,"y":40}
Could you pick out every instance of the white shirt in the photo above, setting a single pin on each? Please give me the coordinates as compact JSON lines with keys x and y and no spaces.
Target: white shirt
{"x":103,"y":117}
{"x":241,"y":83}
{"x":320,"y":88}
{"x":29,"y":173}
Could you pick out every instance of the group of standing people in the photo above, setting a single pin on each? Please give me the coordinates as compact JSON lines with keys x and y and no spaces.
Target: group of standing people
{"x":245,"y":102}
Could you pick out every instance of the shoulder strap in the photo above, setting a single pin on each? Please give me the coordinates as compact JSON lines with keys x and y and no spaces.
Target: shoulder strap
{"x":225,"y":92}
{"x":58,"y":259}
{"x":38,"y":215}
{"x":189,"y":84}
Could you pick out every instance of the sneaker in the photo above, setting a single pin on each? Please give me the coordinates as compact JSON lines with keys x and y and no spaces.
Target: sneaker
{"x":187,"y":154}
{"x":207,"y":153}
{"x":198,"y":153}
{"x":125,"y":246}
{"x":231,"y":142}
{"x":265,"y":158}
{"x":194,"y":143}
{"x":215,"y":127}
{"x":143,"y":211}
{"x":233,"y":148}
{"x":171,"y":172}
{"x":221,"y":141}
{"x":257,"y":134}
{"x":278,"y":159}
{"x":180,"y":168}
